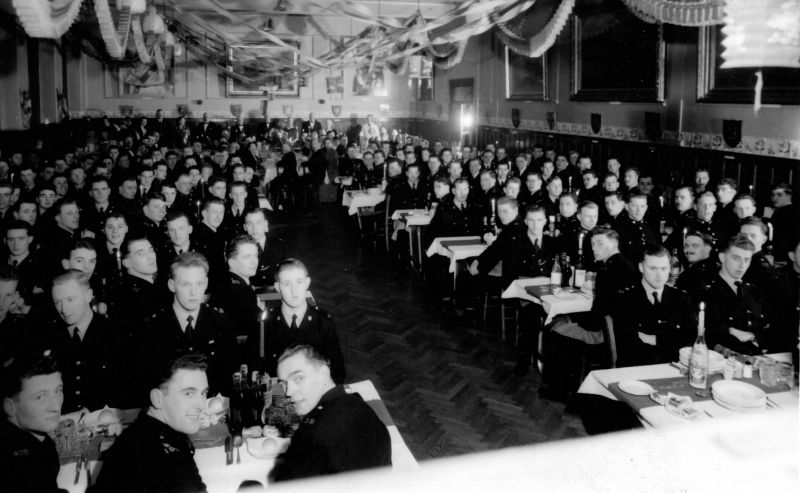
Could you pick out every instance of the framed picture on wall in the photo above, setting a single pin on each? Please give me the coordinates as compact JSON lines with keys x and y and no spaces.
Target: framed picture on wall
{"x":615,"y":56}
{"x":272,"y":68}
{"x":526,"y":77}
{"x":735,"y":85}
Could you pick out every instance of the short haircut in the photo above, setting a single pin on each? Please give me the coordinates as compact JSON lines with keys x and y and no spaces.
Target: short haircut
{"x":233,"y":246}
{"x":568,"y":195}
{"x":61,"y":203}
{"x":47,"y":185}
{"x":552,"y":179}
{"x":5,"y":184}
{"x":216,"y":179}
{"x":289,"y":263}
{"x":754,"y":221}
{"x":704,"y":237}
{"x":514,"y":179}
{"x":782,"y":186}
{"x":610,"y":175}
{"x":609,"y":233}
{"x":746,"y":197}
{"x":707,"y":195}
{"x":740,"y":240}
{"x":72,"y":275}
{"x":506,"y":200}
{"x":239,"y":184}
{"x":634,"y":169}
{"x":535,"y":208}
{"x":116,"y":215}
{"x":590,"y":171}
{"x":153,"y":195}
{"x":443,"y":180}
{"x":256,"y":210}
{"x":686,"y":187}
{"x":212,"y":200}
{"x":131,"y":238}
{"x":655,"y":250}
{"x":415,"y":164}
{"x":19,"y":224}
{"x":97,"y":179}
{"x":460,"y":181}
{"x":77,"y":245}
{"x":177,"y":361}
{"x":17,"y":370}
{"x":728,"y":181}
{"x":187,"y":260}
{"x":311,"y":353}
{"x":588,"y":204}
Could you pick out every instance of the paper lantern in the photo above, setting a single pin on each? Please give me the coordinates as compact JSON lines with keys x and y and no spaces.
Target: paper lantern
{"x":152,"y":22}
{"x":137,"y":6}
{"x":761,"y":34}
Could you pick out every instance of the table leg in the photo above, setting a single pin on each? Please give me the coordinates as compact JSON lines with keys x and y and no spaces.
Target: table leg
{"x":419,"y":247}
{"x":410,"y":231}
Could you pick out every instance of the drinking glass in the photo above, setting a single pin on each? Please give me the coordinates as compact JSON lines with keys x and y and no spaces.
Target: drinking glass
{"x":786,"y":374}
{"x":768,"y":373}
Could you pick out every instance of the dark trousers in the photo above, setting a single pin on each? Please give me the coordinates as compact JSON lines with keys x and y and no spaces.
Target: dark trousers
{"x":531,"y":317}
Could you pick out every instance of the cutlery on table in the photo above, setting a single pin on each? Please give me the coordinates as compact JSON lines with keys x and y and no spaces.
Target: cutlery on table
{"x":78,"y":470}
{"x":228,"y":450}
{"x":237,"y":442}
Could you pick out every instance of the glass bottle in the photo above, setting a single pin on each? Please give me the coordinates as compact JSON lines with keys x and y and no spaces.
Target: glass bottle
{"x":698,"y":361}
{"x":555,"y":272}
{"x":580,"y":270}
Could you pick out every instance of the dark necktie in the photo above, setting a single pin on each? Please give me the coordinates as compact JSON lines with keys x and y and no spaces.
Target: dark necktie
{"x":189,"y":330}
{"x":656,"y":301}
{"x":180,"y":251}
{"x":739,"y":291}
{"x":76,"y":336}
{"x":294,"y":322}
{"x":536,"y":248}
{"x":102,"y":210}
{"x":14,"y":264}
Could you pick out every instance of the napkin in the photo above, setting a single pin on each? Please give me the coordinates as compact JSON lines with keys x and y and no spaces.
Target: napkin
{"x":679,"y":405}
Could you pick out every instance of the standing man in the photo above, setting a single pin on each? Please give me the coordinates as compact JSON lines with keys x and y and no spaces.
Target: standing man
{"x":339,"y":432}
{"x":295,"y":322}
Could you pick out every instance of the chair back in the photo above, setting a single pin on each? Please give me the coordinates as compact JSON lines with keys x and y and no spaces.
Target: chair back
{"x":611,"y":340}
{"x":387,"y":221}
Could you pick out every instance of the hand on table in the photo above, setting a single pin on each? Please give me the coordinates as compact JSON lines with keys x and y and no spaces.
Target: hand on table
{"x":489,"y":238}
{"x":473,"y":268}
{"x":742,"y":335}
{"x":648,"y":339}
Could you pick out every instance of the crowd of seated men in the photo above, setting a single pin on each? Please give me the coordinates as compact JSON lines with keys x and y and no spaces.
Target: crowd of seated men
{"x":739,"y":257}
{"x":133,"y":260}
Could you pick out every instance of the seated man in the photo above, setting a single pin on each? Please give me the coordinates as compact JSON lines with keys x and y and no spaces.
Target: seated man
{"x":12,"y":310}
{"x":339,"y":431}
{"x":109,"y":253}
{"x":140,"y":293}
{"x":32,"y":394}
{"x":238,"y":297}
{"x":257,"y":226}
{"x":295,"y":322}
{"x":702,"y":266}
{"x":189,"y":325}
{"x":155,"y":453}
{"x":652,"y":321}
{"x":735,"y":315}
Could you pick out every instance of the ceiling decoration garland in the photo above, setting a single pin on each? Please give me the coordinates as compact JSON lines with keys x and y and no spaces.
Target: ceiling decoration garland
{"x":690,"y":13}
{"x":544,"y":39}
{"x":47,"y":18}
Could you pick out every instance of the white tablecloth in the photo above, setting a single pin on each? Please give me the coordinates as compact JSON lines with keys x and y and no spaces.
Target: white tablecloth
{"x":220,"y":478}
{"x":552,"y":306}
{"x":353,"y":199}
{"x":597,"y":383}
{"x":413,"y":217}
{"x":455,"y":252}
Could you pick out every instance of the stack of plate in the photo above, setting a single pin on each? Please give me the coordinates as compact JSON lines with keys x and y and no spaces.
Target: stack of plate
{"x":738,"y":396}
{"x":716,"y":361}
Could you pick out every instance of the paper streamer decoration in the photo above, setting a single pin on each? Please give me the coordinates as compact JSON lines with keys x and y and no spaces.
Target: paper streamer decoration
{"x":47,"y":18}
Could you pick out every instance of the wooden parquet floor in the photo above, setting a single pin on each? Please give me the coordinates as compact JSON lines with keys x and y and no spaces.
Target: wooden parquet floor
{"x":449,"y":387}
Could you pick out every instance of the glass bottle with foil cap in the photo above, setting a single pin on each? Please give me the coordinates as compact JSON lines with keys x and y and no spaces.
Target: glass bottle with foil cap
{"x":698,"y":361}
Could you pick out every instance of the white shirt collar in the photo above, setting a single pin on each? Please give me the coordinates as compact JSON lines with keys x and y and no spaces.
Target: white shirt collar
{"x":649,"y":290}
{"x":182,"y":315}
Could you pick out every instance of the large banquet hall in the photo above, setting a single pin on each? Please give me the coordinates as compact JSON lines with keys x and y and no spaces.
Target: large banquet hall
{"x":393,"y":245}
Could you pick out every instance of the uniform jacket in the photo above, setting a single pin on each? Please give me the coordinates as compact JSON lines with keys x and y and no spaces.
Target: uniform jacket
{"x":27,"y":465}
{"x":238,"y":299}
{"x":697,"y":275}
{"x":452,"y":221}
{"x":341,"y":434}
{"x":633,"y":236}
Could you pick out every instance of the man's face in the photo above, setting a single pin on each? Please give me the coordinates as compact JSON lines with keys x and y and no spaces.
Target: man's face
{"x":561,"y":162}
{"x":189,"y":285}
{"x":725,"y":193}
{"x":701,"y":178}
{"x":695,"y":249}
{"x":706,"y":207}
{"x":744,"y":208}
{"x":182,"y":400}
{"x":535,"y":221}
{"x":487,"y":182}
{"x":256,"y":225}
{"x":8,"y":295}
{"x":584,"y":163}
{"x":45,"y":199}
{"x":511,"y":189}
{"x":567,"y":207}
{"x":218,"y":189}
{"x":780,"y":198}
{"x":115,"y":230}
{"x":155,"y":210}
{"x":655,"y":270}
{"x":588,"y":218}
{"x":549,"y":154}
{"x":194,"y":176}
{"x":128,"y":189}
{"x":169,"y":195}
{"x":547,"y":169}
{"x":213,"y":215}
{"x":161,"y":172}
{"x":48,"y":172}
{"x":146,"y":178}
{"x":506,"y":213}
{"x":455,"y":168}
{"x":412,"y":174}
{"x":637,"y":208}
{"x":554,"y":188}
{"x":614,"y":205}
{"x":100,"y":192}
{"x":474,"y":167}
{"x":447,"y":156}
{"x":69,"y":217}
{"x":611,"y":183}
{"x":631,"y":179}
{"x":238,"y":173}
{"x":179,"y":230}
{"x":461,"y":191}
{"x":434,"y":164}
{"x":197,"y":148}
{"x":82,"y":259}
{"x":755,"y":234}
{"x":306,"y":382}
{"x":77,"y":176}
{"x":292,"y":284}
{"x":537,"y":152}
{"x":37,"y":407}
{"x":238,"y":196}
{"x":141,"y":258}
{"x":502,"y":171}
{"x":736,"y":261}
{"x":27,"y":212}
{"x":533,"y":183}
{"x":683,"y":200}
{"x":184,"y":184}
{"x":18,"y":242}
{"x":646,"y":185}
{"x":71,"y":301}
{"x":28,"y":177}
{"x":589,"y":181}
{"x":245,"y":262}
{"x":440,"y":189}
{"x":602,"y":247}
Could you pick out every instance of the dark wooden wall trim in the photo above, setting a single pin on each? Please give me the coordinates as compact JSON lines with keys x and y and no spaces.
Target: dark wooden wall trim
{"x":659,"y":159}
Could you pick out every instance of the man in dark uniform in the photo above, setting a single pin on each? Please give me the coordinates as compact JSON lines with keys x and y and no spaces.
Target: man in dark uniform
{"x":93,"y":217}
{"x":56,"y":239}
{"x":579,"y":239}
{"x":735,"y":316}
{"x":725,"y":215}
{"x":339,"y":432}
{"x":705,"y":222}
{"x":702,"y":266}
{"x":680,"y":217}
{"x":150,"y":222}
{"x":29,"y":272}
{"x":500,"y":246}
{"x":634,"y":232}
{"x":155,"y":453}
{"x":233,"y":224}
{"x":785,"y":220}
{"x":295,"y":322}
{"x":411,"y":194}
{"x":190,"y":325}
{"x":32,"y":393}
{"x":257,"y":226}
{"x":207,"y":238}
{"x":140,"y":293}
{"x":785,"y":337}
{"x":12,"y":320}
{"x":179,"y":231}
{"x":87,"y":346}
{"x":238,"y":297}
{"x":486,"y":193}
{"x":652,"y":321}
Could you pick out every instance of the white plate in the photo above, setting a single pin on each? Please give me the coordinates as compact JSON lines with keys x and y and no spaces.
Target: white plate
{"x":737,"y":393}
{"x":635,"y":387}
{"x":715,"y":360}
{"x":254,"y":448}
{"x":739,"y":409}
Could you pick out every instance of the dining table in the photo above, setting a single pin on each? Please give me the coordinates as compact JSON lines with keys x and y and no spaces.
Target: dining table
{"x":671,"y":377}
{"x":539,"y":290}
{"x":456,"y":248}
{"x":356,"y":199}
{"x":412,"y":220}
{"x":221,"y":477}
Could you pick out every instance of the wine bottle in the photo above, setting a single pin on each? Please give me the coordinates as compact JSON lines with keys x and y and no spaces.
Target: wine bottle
{"x":552,"y":226}
{"x":698,"y":361}
{"x":580,"y":270}
{"x":675,"y":267}
{"x":555,"y":273}
{"x":566,"y":271}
